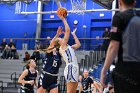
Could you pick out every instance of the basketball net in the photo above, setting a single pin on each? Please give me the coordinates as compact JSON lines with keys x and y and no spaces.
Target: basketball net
{"x":58,"y":3}
{"x":20,"y":7}
{"x":78,"y":6}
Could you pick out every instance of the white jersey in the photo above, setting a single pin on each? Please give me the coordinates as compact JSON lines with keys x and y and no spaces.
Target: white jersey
{"x":68,"y":55}
{"x":71,"y":71}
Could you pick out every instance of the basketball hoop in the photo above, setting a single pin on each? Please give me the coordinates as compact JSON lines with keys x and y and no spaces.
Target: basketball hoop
{"x":78,"y":6}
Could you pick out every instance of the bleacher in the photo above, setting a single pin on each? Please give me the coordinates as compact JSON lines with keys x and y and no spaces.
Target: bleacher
{"x":9,"y":73}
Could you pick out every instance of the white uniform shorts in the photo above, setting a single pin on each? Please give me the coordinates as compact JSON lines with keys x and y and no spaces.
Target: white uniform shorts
{"x":71,"y":72}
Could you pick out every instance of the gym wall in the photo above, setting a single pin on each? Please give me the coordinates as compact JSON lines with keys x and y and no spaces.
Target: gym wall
{"x":16,"y":25}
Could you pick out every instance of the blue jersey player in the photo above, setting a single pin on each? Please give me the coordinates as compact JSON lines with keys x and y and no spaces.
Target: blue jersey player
{"x":52,"y":62}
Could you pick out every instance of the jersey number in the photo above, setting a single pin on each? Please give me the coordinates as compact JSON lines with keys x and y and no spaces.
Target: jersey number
{"x":54,"y":63}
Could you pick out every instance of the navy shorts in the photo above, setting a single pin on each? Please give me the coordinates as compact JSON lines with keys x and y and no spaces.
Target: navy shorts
{"x":29,"y":91}
{"x":47,"y":81}
{"x":26,"y":91}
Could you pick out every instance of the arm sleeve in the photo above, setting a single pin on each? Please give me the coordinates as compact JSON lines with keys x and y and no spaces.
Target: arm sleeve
{"x":116,"y":28}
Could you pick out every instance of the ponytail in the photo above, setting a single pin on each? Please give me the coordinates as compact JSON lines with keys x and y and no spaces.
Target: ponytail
{"x":27,"y":66}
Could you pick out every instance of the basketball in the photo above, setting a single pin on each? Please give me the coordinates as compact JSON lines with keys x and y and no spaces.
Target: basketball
{"x":62,"y":12}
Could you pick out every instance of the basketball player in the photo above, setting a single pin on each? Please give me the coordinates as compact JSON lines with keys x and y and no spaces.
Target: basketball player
{"x":89,"y":84}
{"x":48,"y":78}
{"x":71,"y":71}
{"x":28,"y":77}
{"x":86,"y":82}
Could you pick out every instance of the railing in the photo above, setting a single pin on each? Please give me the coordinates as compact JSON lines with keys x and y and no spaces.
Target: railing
{"x":1,"y":86}
{"x":92,"y":60}
{"x":13,"y":77}
{"x":62,"y":85}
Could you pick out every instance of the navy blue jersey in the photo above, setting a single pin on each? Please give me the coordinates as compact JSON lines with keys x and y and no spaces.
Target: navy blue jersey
{"x":86,"y":83}
{"x":52,"y":63}
{"x":30,"y":76}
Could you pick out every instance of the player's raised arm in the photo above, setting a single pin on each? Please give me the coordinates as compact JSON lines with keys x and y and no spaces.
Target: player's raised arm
{"x":59,"y":32}
{"x":62,"y":12}
{"x":67,"y":32}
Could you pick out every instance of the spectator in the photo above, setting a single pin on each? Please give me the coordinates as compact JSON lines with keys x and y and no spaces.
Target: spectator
{"x":27,"y":56}
{"x":48,"y":40}
{"x":3,"y":44}
{"x":106,"y":35}
{"x":11,"y":43}
{"x":6,"y":52}
{"x":36,"y":54}
{"x":13,"y":52}
{"x":46,"y":43}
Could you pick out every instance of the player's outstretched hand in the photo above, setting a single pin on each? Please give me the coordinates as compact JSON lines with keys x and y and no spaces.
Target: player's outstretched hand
{"x":61,"y":17}
{"x":59,"y":30}
{"x":74,"y":31}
